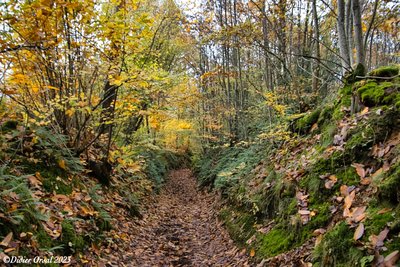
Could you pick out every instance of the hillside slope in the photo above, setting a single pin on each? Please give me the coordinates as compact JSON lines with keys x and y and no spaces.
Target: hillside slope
{"x":321,"y":188}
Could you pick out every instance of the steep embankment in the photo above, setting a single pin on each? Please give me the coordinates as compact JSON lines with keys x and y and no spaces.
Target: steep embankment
{"x":50,"y":204}
{"x":322,"y":188}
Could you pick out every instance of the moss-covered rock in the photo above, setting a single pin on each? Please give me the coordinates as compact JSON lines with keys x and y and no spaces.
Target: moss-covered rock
{"x":386,"y":71}
{"x":304,"y":124}
{"x":374,"y":94}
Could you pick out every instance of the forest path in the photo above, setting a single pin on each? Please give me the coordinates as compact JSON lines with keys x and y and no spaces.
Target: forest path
{"x":181,"y":229}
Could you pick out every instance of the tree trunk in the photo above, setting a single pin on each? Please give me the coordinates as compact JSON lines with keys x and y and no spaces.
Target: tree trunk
{"x":317,"y":52}
{"x":358,"y":34}
{"x":343,"y":41}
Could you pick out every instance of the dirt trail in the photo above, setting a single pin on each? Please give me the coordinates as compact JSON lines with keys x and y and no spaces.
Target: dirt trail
{"x":181,"y":229}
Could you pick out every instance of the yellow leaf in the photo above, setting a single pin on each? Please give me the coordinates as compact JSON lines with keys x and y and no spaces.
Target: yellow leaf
{"x":70,"y":112}
{"x":61,"y":163}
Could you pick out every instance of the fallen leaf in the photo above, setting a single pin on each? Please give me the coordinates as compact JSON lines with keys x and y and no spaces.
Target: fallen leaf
{"x":366,"y":181}
{"x":304,"y":212}
{"x":34,"y":181}
{"x":348,"y":200}
{"x":359,"y":169}
{"x":329,"y":184}
{"x":314,"y":127}
{"x":319,"y":231}
{"x":377,"y":173}
{"x":344,"y":190}
{"x":252,"y":252}
{"x":62,"y":165}
{"x":364,"y":111}
{"x":9,"y":250}
{"x":6,"y":241}
{"x":359,"y":232}
{"x":392,"y":258}
{"x":384,"y":210}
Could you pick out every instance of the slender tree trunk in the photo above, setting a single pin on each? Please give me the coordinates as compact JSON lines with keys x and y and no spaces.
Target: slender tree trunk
{"x":316,"y":50}
{"x":343,"y":41}
{"x":358,"y":34}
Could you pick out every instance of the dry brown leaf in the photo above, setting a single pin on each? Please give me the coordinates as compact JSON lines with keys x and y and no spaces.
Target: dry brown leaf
{"x":304,"y":212}
{"x":348,"y":200}
{"x":358,"y":214}
{"x":344,"y":190}
{"x":359,"y":232}
{"x":319,"y":231}
{"x":359,"y":169}
{"x":366,"y":181}
{"x":6,"y":241}
{"x":392,"y":258}
{"x":34,"y":181}
{"x":384,"y":210}
{"x":329,"y":184}
{"x":377,"y":240}
{"x":314,"y":127}
{"x":378,"y":172}
{"x":9,"y":250}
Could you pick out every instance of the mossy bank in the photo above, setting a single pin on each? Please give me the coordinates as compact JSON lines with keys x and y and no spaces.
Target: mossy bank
{"x":297,"y":192}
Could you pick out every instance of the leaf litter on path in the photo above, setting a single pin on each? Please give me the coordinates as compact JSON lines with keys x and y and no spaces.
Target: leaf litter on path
{"x":180,"y":228}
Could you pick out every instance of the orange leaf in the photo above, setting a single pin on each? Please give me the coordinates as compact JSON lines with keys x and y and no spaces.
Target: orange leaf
{"x":359,"y":232}
{"x":252,"y":252}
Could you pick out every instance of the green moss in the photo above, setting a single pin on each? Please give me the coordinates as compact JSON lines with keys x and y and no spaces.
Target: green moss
{"x":327,"y":134}
{"x":274,"y":242}
{"x":390,"y":184}
{"x":336,"y":248}
{"x":386,"y":71}
{"x":325,"y":114}
{"x":348,"y":176}
{"x":69,"y":238}
{"x":346,"y":90}
{"x":314,"y":185}
{"x":340,"y":106}
{"x":304,"y":124}
{"x":377,"y":222}
{"x":43,"y":239}
{"x":323,"y":214}
{"x":371,"y":94}
{"x":239,"y":224}
{"x":329,"y":165}
{"x":375,"y":94}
